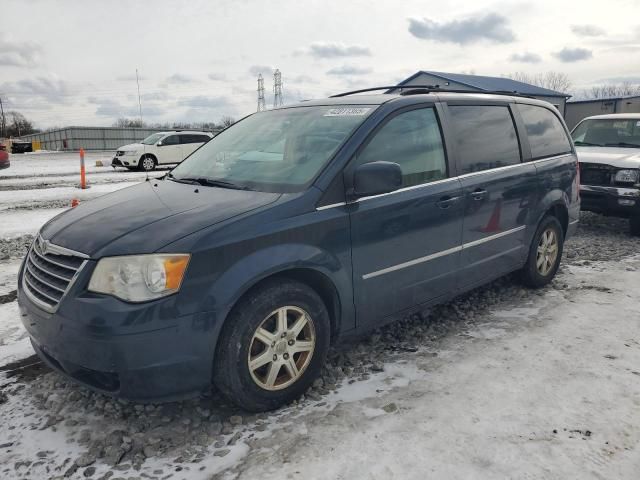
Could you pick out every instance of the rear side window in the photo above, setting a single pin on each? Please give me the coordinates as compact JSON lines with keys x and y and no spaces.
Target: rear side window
{"x":412,"y":140}
{"x":547,"y":136}
{"x":193,"y":138}
{"x":485,"y":137}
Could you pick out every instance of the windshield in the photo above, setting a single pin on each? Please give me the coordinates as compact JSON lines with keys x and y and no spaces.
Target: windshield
{"x":608,"y":133}
{"x":152,"y":139}
{"x":274,"y":151}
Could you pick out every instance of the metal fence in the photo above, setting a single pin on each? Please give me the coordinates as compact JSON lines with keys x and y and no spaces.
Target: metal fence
{"x":89,"y":138}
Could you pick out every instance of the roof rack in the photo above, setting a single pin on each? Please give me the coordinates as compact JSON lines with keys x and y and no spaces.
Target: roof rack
{"x":422,"y":89}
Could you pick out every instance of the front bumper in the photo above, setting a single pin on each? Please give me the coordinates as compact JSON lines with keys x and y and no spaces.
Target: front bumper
{"x":614,"y":201}
{"x":124,"y":161}
{"x":141,"y":352}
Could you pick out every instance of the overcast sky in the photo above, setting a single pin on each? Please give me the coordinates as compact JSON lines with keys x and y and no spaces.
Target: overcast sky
{"x":74,"y":62}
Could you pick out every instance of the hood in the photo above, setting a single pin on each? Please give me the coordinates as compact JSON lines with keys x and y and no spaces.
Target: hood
{"x":147,"y":216}
{"x":615,"y":156}
{"x":132,"y":147}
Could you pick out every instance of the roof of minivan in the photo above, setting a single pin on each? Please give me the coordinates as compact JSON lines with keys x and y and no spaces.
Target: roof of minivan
{"x":379,"y":99}
{"x":621,"y":116}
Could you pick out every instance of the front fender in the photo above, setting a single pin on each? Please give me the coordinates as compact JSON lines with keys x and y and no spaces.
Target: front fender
{"x":248,"y":271}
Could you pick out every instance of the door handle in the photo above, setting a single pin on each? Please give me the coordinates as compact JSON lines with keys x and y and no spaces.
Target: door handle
{"x":446,"y":202}
{"x":478,"y":194}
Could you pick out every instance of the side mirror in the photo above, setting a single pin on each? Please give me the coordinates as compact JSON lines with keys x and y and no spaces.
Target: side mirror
{"x":375,"y":178}
{"x":159,"y":144}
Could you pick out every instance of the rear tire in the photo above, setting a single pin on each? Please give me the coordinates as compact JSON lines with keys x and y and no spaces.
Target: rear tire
{"x":634,"y":226}
{"x":545,"y":253}
{"x":147,"y":163}
{"x":273,"y":345}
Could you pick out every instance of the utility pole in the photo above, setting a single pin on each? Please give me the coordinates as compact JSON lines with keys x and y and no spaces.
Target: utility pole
{"x":261,"y":104}
{"x":277,"y":89}
{"x":3,"y":121}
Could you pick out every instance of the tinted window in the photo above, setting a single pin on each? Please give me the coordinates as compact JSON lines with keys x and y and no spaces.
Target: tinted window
{"x":193,"y":138}
{"x":170,"y":140}
{"x":485,"y":137}
{"x":412,"y":140}
{"x":547,"y":136}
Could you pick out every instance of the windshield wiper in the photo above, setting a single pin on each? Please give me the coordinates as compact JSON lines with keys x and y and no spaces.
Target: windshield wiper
{"x":188,"y":181}
{"x":587,"y":144}
{"x":622,"y":144}
{"x":211,"y":182}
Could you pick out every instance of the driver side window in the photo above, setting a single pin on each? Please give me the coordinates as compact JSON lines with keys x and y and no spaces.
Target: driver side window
{"x":412,"y":140}
{"x":170,"y":140}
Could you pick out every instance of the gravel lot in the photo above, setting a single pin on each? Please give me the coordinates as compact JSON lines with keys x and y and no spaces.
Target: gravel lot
{"x":389,"y":406}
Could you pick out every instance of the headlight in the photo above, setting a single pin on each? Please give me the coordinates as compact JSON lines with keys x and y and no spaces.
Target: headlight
{"x":130,"y":152}
{"x":627,"y":176}
{"x":138,"y":278}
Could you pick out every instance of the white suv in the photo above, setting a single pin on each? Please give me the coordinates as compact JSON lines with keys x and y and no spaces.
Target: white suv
{"x":159,"y":149}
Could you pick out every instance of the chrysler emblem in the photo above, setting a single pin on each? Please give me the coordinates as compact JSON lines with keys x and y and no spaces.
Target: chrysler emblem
{"x":43,"y":245}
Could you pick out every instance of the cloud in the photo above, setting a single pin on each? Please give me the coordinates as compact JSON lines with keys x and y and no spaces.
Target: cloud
{"x":265,"y":70}
{"x":587,"y":30}
{"x":180,"y":78}
{"x":525,"y":57}
{"x":130,"y":77}
{"x":217,"y":77}
{"x":48,"y":88}
{"x":635,"y":79}
{"x":569,"y":55}
{"x":202,"y":101}
{"x":349,"y":70}
{"x":18,"y":54}
{"x":491,"y":27}
{"x":107,"y":107}
{"x":336,"y":50}
{"x":303,"y":79}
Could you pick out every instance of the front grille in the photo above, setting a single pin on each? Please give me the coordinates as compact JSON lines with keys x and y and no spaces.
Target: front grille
{"x":595,"y":174}
{"x":49,"y":272}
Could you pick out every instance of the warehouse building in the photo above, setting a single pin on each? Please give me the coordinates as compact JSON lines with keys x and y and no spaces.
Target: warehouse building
{"x":89,"y":138}
{"x":580,"y":109}
{"x":480,"y":83}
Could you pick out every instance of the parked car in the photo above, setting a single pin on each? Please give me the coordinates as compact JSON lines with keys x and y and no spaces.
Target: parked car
{"x":162,"y":148}
{"x":608,"y":148}
{"x":4,"y":159}
{"x":20,"y":146}
{"x":293,"y":229}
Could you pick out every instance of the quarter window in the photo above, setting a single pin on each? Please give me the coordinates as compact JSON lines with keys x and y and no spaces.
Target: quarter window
{"x":547,"y":136}
{"x":412,"y":140}
{"x":485,"y":137}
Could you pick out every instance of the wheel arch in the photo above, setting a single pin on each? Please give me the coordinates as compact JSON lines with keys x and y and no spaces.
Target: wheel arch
{"x":145,"y":155}
{"x":555,"y":203}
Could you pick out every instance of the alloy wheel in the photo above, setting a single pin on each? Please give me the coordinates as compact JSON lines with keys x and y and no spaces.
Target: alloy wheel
{"x":281,"y":348}
{"x":547,"y":252}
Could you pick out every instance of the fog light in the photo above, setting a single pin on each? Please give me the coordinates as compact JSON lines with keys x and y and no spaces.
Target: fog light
{"x":126,"y":163}
{"x":626,"y":202}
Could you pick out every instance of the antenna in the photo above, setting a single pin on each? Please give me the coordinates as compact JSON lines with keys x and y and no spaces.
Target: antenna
{"x":144,"y":147}
{"x":261,"y":104}
{"x":277,"y":89}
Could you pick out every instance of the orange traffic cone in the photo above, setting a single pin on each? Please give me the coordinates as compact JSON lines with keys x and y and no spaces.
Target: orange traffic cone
{"x":494,"y":221}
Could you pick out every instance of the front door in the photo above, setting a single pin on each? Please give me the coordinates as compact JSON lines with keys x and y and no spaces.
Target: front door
{"x":170,"y":151}
{"x":498,"y":190}
{"x":406,"y":244}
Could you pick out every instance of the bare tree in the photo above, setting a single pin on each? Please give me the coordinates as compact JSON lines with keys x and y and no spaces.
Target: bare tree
{"x":557,"y":81}
{"x":625,"y":89}
{"x":129,"y":123}
{"x":18,"y":125}
{"x":226,"y":121}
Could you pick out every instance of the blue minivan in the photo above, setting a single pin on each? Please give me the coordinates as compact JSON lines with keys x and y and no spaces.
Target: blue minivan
{"x":292,"y":229}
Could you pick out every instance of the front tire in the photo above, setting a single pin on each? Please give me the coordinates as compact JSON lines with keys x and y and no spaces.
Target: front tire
{"x":273,"y":345}
{"x":545,"y":253}
{"x":147,"y":163}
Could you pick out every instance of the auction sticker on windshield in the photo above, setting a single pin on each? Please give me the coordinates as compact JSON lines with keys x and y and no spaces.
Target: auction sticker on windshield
{"x":347,"y":111}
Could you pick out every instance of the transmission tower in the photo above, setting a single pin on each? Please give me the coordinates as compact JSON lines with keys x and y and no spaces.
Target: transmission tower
{"x":261,"y":105}
{"x":277,"y":89}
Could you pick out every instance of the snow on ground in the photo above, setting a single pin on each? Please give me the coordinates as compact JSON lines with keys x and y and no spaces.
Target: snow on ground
{"x":19,"y":222}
